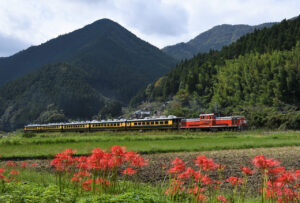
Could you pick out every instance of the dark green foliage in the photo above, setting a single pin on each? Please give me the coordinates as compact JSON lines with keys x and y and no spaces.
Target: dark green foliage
{"x":260,"y":70}
{"x":50,"y":94}
{"x":28,"y":134}
{"x":215,"y":38}
{"x":111,"y":110}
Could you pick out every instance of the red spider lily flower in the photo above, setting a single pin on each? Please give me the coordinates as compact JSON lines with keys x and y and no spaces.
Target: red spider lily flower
{"x":205,"y":164}
{"x":198,"y":176}
{"x":82,"y":166}
{"x":176,"y":187}
{"x":195,"y":190}
{"x":276,"y":171}
{"x":247,"y":171}
{"x":202,"y":198}
{"x":82,"y":159}
{"x":187,"y":174}
{"x":24,"y":164}
{"x":87,"y":185}
{"x":167,"y":192}
{"x":102,"y":182}
{"x":206,"y":180}
{"x":14,"y":172}
{"x":262,"y":162}
{"x":69,"y":152}
{"x":286,"y":178}
{"x":179,"y":166}
{"x":129,"y":171}
{"x":11,"y":164}
{"x":82,"y":174}
{"x":297,"y":173}
{"x":75,"y":179}
{"x":2,"y":170}
{"x":57,"y":163}
{"x":97,"y":154}
{"x":115,"y":162}
{"x":129,"y":156}
{"x":34,"y":165}
{"x":177,"y":161}
{"x":118,"y":150}
{"x":222,"y":199}
{"x":234,"y":180}
{"x":139,"y":162}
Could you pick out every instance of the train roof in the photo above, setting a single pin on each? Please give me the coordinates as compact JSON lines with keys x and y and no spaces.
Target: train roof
{"x":108,"y":121}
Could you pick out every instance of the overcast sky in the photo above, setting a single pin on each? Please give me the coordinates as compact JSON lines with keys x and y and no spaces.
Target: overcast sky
{"x":160,"y":22}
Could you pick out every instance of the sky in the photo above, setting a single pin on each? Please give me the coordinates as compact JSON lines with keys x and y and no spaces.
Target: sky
{"x":24,"y":23}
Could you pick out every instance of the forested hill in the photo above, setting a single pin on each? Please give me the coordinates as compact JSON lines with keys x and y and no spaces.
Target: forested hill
{"x":103,"y":45}
{"x":258,"y":73}
{"x":215,"y":38}
{"x":77,"y":75}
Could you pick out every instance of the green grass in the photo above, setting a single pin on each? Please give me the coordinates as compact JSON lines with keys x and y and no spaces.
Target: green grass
{"x":47,"y":144}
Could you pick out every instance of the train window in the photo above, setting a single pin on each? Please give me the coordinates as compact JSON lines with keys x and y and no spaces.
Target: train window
{"x":139,"y":123}
{"x":161,"y":122}
{"x":156,"y":122}
{"x":118,"y":124}
{"x":143,"y":123}
{"x":148,"y":123}
{"x":115,"y":124}
{"x":135,"y":123}
{"x":166,"y":122}
{"x":152,"y":123}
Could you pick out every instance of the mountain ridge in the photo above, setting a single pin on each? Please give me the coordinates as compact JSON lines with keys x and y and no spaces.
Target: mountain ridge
{"x":61,"y":49}
{"x":214,"y":38}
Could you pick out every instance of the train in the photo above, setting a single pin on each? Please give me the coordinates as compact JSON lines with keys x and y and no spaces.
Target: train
{"x":205,"y":121}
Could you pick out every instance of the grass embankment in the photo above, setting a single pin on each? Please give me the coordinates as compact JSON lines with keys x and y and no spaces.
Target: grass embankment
{"x":47,"y":144}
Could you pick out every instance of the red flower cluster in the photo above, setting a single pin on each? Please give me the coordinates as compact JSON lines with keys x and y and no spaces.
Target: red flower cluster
{"x":281,"y":185}
{"x":97,"y":171}
{"x":234,"y":180}
{"x":206,"y":164}
{"x":189,"y":181}
{"x":262,"y":162}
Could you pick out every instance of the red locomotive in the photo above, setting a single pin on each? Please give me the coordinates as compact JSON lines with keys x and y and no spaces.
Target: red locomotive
{"x":211,"y":121}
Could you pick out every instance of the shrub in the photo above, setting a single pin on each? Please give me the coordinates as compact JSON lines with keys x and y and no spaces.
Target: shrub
{"x":28,"y":134}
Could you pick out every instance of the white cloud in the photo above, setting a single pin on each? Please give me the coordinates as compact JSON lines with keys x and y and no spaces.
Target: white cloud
{"x":160,"y":22}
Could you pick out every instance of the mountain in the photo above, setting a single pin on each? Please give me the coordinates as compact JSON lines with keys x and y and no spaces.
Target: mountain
{"x":215,"y":38}
{"x":77,"y":75}
{"x":117,"y":58}
{"x":256,"y":76}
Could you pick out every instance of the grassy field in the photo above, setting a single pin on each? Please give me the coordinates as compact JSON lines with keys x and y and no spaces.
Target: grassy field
{"x":48,"y":144}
